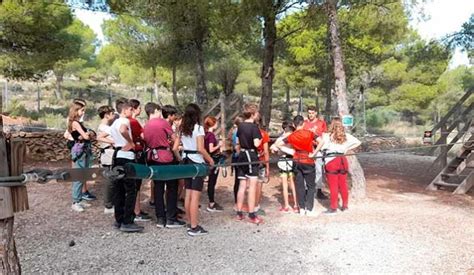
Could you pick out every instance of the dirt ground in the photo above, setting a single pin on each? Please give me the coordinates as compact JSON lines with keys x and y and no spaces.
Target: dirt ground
{"x":399,"y":228}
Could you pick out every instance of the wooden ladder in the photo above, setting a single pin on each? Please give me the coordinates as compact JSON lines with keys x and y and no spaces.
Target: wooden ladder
{"x":459,"y":173}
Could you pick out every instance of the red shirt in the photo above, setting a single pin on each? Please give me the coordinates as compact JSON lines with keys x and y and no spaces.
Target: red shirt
{"x":136,"y":133}
{"x":265,"y":139}
{"x":316,"y":126}
{"x":302,"y":142}
{"x":157,"y":133}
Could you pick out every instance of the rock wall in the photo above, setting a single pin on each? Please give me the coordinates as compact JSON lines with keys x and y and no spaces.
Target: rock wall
{"x":44,"y":146}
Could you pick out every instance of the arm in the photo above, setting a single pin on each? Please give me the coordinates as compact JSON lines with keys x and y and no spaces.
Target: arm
{"x":266,"y":158}
{"x":213,"y":148}
{"x":104,"y":137}
{"x":320,"y":141}
{"x":77,"y":127}
{"x":176,"y":142}
{"x":352,"y":142}
{"x":257,"y":141}
{"x":201,"y":150}
{"x":124,"y":130}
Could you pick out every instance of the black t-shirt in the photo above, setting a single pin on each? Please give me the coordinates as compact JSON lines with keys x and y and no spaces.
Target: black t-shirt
{"x":246,"y":133}
{"x":75,"y":134}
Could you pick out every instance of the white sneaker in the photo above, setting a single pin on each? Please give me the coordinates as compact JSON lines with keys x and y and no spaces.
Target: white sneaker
{"x":109,"y":210}
{"x":85,"y":204}
{"x":302,"y":212}
{"x":312,"y":213}
{"x":77,"y":207}
{"x":256,"y":208}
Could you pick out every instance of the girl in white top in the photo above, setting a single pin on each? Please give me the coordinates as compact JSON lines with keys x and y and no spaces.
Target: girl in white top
{"x":337,"y":142}
{"x":192,"y":137}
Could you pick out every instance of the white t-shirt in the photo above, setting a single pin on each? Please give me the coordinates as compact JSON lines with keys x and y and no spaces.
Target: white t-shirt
{"x":107,"y":155}
{"x":119,"y":140}
{"x":333,"y":147}
{"x":190,"y":143}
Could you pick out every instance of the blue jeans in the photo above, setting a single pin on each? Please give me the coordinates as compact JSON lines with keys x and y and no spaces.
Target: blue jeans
{"x":82,"y":162}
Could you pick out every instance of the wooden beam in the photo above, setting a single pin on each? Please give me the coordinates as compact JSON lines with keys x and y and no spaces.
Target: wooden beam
{"x":452,"y":110}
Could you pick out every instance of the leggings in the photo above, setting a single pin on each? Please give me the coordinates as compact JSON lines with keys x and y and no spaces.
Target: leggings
{"x":211,"y":185}
{"x":336,"y":174}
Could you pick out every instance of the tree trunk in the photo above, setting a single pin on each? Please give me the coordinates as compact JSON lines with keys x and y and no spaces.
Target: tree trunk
{"x":268,"y":73}
{"x":287,"y":105}
{"x":59,"y":81}
{"x":355,"y":170}
{"x":155,"y":86}
{"x":201,"y":88}
{"x":174,"y":89}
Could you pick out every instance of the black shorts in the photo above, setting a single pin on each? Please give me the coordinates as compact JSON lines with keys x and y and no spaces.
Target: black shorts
{"x":197,"y":183}
{"x":249,"y":170}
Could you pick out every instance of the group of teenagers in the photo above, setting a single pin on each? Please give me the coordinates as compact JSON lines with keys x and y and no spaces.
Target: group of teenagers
{"x":173,"y":138}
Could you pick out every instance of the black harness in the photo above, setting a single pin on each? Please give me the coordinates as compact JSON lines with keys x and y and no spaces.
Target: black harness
{"x":337,"y":156}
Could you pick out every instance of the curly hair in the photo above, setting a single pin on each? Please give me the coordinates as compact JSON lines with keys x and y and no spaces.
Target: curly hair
{"x":336,"y":129}
{"x":191,"y":117}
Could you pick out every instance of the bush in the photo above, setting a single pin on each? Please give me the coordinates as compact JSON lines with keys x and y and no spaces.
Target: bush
{"x":380,"y":116}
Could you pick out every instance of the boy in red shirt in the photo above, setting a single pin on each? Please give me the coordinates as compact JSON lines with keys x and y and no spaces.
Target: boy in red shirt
{"x":302,"y":142}
{"x":137,"y":131}
{"x":317,"y":126}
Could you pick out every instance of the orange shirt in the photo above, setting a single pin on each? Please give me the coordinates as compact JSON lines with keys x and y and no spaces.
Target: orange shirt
{"x":302,"y":142}
{"x":265,"y":139}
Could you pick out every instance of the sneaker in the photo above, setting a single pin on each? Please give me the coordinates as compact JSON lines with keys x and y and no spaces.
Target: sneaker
{"x":132,"y":227}
{"x":161,"y":223}
{"x":88,"y":196}
{"x":320,"y":195}
{"x":142,"y":217}
{"x":256,"y":208}
{"x":215,"y":208}
{"x":85,"y":204}
{"x":330,"y":212}
{"x":198,"y":231}
{"x":302,"y":212}
{"x":312,"y":213}
{"x":344,"y":209}
{"x":188,"y":227}
{"x":117,"y":225}
{"x":296,"y":210}
{"x":77,"y":207}
{"x":174,"y":224}
{"x":285,"y":210}
{"x":239,"y":217}
{"x":110,"y":210}
{"x":256,"y":220}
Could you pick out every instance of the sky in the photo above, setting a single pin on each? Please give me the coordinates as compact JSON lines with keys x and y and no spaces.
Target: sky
{"x":444,"y":17}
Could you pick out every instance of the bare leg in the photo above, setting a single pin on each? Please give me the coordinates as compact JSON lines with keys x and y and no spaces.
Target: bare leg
{"x":152,"y":192}
{"x":187,"y":205}
{"x":194,"y":207}
{"x":284,"y":187}
{"x":241,"y":194}
{"x":291,"y":179}
{"x":252,"y":193}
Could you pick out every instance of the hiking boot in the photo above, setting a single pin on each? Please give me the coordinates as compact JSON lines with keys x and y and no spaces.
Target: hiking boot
{"x":198,"y":231}
{"x":88,"y":196}
{"x":174,"y":224}
{"x":132,"y":227}
{"x":161,"y":223}
{"x":77,"y":207}
{"x":330,"y":212}
{"x":142,"y":217}
{"x":215,"y":208}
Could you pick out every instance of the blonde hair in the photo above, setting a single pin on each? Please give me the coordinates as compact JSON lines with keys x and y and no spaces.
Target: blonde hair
{"x":249,"y":110}
{"x":74,"y":113}
{"x":336,"y":129}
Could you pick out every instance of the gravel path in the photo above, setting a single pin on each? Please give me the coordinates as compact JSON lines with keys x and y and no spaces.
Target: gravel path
{"x":399,"y":228}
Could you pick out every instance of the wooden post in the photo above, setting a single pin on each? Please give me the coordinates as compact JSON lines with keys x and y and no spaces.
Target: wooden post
{"x":444,"y":150}
{"x":223,"y":122}
{"x":9,"y":262}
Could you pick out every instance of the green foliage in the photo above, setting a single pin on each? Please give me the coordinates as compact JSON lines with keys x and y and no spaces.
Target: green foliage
{"x":380,"y":116}
{"x":32,"y":36}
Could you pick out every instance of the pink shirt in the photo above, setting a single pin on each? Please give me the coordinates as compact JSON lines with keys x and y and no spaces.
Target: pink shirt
{"x":157,"y":134}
